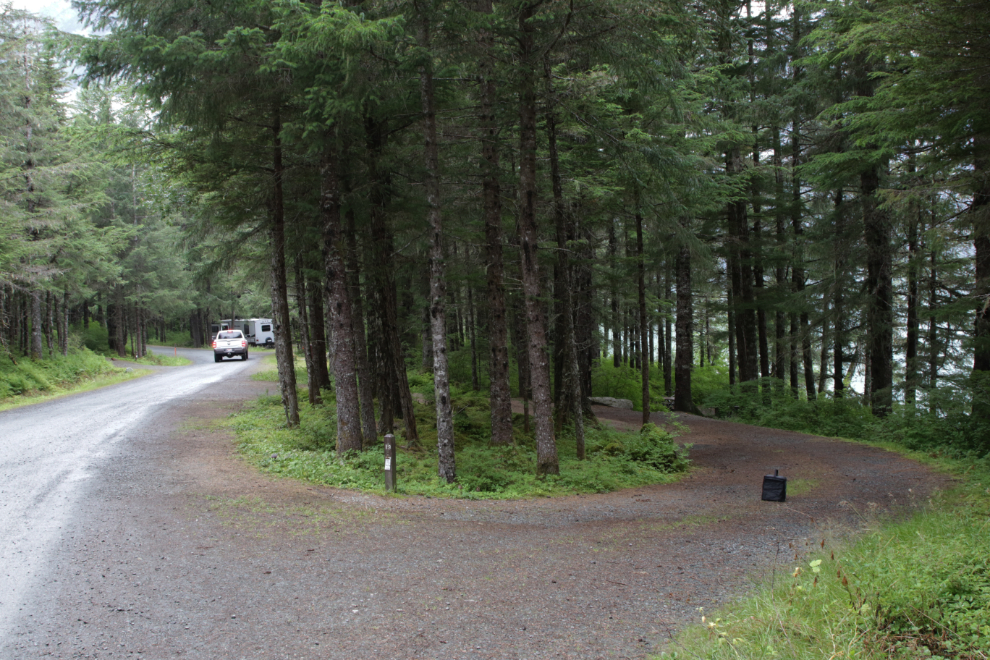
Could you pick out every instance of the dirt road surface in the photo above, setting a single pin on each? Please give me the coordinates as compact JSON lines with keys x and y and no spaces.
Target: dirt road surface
{"x":172,"y":547}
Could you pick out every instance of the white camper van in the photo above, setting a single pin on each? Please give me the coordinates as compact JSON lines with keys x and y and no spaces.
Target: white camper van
{"x":259,"y":332}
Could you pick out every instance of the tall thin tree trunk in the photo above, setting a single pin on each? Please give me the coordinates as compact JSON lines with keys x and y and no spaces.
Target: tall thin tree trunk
{"x":120,"y":327}
{"x":279,"y":288}
{"x":571,"y":383}
{"x":685,"y":356}
{"x":339,"y":303}
{"x":519,"y":341}
{"x":472,"y":337}
{"x":37,"y":343}
{"x":879,"y":287}
{"x":499,"y":389}
{"x":546,"y":445}
{"x":668,"y":389}
{"x":933,"y":347}
{"x":438,"y":283}
{"x":823,"y":352}
{"x":644,"y":354}
{"x":301,"y":299}
{"x":616,"y":330}
{"x":318,"y":337}
{"x":48,"y":327}
{"x":913,"y":303}
{"x":383,"y":244}
{"x":980,"y":211}
{"x":64,"y":334}
{"x":731,"y":322}
{"x":365,"y":377}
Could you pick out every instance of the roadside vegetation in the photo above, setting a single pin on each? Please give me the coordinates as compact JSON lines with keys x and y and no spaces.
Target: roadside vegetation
{"x":27,"y":380}
{"x":918,"y":588}
{"x":615,"y":459}
{"x":96,"y":339}
{"x":915,"y":588}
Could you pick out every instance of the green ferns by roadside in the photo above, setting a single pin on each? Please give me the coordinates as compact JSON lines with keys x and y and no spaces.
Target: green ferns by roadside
{"x":615,"y":460}
{"x":41,"y":376}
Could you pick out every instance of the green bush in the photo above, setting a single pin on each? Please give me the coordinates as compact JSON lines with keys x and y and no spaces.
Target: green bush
{"x":615,"y":460}
{"x":49,"y":373}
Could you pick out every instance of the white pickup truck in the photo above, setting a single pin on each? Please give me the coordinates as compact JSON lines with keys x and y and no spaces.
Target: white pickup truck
{"x":230,"y":343}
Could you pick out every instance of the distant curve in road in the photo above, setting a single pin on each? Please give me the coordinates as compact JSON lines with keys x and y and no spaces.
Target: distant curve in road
{"x":49,"y":450}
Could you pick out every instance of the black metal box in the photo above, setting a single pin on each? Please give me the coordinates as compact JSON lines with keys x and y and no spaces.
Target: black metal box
{"x":774,"y":488}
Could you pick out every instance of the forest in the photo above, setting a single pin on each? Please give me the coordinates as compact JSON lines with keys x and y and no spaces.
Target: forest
{"x":777,"y":209}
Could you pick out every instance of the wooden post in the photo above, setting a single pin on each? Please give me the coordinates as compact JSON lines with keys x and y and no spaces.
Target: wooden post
{"x":390,"y":462}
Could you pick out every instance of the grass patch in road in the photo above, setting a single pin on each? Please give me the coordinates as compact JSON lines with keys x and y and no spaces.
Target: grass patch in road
{"x":270,"y":374}
{"x":801,"y":486}
{"x":34,"y":381}
{"x":911,"y":589}
{"x":161,"y":360}
{"x":258,"y":517}
{"x":616,"y":460}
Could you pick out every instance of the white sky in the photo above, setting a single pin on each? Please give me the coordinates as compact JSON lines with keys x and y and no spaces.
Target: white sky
{"x":60,"y":11}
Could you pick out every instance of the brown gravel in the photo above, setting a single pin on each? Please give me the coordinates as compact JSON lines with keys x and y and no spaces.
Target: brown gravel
{"x":185,"y":551}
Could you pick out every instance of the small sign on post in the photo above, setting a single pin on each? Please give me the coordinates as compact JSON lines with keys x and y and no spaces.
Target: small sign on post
{"x":390,"y":462}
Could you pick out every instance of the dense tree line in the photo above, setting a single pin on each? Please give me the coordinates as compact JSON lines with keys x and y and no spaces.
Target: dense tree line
{"x":511,"y":192}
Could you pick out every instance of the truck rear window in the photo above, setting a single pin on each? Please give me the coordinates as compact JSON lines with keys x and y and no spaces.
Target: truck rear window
{"x":230,"y":334}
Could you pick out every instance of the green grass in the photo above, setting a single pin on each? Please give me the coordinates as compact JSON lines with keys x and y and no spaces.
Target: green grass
{"x":32,"y":381}
{"x":270,"y":374}
{"x":615,"y":460}
{"x":162,"y":360}
{"x":919,"y":588}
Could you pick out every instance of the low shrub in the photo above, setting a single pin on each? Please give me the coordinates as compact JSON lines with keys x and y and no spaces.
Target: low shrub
{"x":49,"y":373}
{"x":615,"y":460}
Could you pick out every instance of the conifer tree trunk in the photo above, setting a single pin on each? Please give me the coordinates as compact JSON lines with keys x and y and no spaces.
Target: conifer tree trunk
{"x":64,"y":331}
{"x":781,"y":353}
{"x":279,"y":288}
{"x":567,"y":338}
{"x":933,"y":347}
{"x":546,"y":446}
{"x":913,"y":299}
{"x":838,"y":301}
{"x":795,"y":345}
{"x":616,"y":332}
{"x":644,"y":354}
{"x":733,"y":339}
{"x":302,"y":299}
{"x":517,"y":321}
{"x":120,"y":327}
{"x":396,"y":388}
{"x":37,"y":343}
{"x":498,"y":360}
{"x":668,"y":389}
{"x":980,"y":211}
{"x":879,"y":287}
{"x":339,"y":305}
{"x":48,"y":327}
{"x":684,"y":359}
{"x":318,"y":337}
{"x":438,"y":283}
{"x":365,"y":377}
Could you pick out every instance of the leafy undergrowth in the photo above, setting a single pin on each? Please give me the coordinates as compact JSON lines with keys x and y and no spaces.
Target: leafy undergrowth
{"x":913,"y":589}
{"x":50,"y":374}
{"x":615,"y":460}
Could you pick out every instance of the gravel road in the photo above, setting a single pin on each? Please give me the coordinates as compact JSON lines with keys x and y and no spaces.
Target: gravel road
{"x":51,"y":452}
{"x":130,"y":528}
